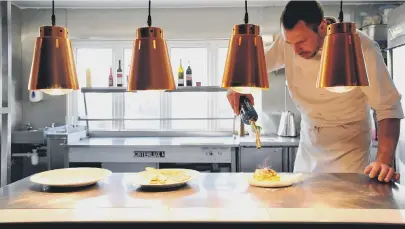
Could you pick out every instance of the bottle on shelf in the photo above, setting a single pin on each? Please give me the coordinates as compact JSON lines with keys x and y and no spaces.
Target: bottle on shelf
{"x":189,"y":76}
{"x":119,"y":75}
{"x":111,"y":79}
{"x":180,"y":75}
{"x":88,"y":77}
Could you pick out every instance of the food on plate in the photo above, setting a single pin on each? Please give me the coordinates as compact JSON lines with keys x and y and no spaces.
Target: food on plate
{"x":165,"y":176}
{"x":266,"y":174}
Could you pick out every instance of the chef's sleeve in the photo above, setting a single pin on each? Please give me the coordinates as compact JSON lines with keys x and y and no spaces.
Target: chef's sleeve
{"x":274,"y":54}
{"x":382,"y":94}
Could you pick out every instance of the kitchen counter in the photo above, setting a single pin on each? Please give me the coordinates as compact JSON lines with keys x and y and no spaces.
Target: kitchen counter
{"x":156,"y":141}
{"x":270,"y":141}
{"x":212,"y":197}
{"x":267,"y":141}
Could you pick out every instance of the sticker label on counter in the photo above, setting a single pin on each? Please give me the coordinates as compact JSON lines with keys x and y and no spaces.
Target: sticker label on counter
{"x":154,"y":154}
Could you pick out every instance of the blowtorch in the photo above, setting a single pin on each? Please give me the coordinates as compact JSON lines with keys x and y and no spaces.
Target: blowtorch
{"x":249,"y":116}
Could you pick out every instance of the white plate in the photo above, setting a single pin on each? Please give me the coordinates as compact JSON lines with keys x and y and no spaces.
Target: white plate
{"x":71,"y":177}
{"x":140,"y":179}
{"x":286,"y":179}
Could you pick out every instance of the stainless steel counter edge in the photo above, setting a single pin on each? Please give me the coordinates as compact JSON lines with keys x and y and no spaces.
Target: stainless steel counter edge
{"x":162,"y":214}
{"x":267,"y":141}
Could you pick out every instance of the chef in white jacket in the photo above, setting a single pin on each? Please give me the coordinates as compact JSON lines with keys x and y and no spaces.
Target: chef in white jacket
{"x":335,"y":127}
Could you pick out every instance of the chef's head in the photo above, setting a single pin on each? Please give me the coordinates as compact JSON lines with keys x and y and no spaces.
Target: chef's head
{"x":304,"y":27}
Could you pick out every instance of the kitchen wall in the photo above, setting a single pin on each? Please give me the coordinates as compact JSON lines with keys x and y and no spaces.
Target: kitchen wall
{"x":121,"y":24}
{"x":16,"y":99}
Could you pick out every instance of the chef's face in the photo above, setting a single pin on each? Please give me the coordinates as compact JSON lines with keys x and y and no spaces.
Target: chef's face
{"x":306,"y":40}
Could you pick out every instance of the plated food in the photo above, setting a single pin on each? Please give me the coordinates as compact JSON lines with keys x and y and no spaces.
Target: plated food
{"x":266,"y":174}
{"x":165,"y":177}
{"x":268,"y":178}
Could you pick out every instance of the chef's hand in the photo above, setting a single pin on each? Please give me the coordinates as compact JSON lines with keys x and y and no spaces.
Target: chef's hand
{"x":382,"y":171}
{"x":233,"y":98}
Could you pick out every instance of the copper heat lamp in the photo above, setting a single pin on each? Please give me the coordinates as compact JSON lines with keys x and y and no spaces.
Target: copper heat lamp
{"x":151,"y":68}
{"x":53,"y":69}
{"x":245,"y":67}
{"x":342,"y":62}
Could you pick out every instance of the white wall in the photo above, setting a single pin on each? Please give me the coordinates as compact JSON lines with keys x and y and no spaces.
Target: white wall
{"x":121,"y":24}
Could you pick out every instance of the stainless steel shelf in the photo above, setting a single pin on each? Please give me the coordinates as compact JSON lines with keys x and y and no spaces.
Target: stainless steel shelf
{"x":104,"y":89}
{"x":151,"y":119}
{"x":198,"y":89}
{"x":4,"y":110}
{"x":124,"y":89}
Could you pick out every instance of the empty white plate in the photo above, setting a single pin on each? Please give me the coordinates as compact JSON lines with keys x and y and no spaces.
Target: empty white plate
{"x":71,"y":177}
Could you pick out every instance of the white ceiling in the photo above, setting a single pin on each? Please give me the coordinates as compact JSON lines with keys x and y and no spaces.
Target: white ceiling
{"x":169,"y":3}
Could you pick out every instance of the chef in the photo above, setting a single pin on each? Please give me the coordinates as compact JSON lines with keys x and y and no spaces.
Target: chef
{"x":335,"y":127}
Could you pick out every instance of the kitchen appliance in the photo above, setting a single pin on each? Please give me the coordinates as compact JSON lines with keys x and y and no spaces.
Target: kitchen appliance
{"x":287,"y":126}
{"x":249,"y":116}
{"x":396,"y":56}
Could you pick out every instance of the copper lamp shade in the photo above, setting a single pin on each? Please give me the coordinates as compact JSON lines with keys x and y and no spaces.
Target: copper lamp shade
{"x":151,"y":68}
{"x":342,"y":62}
{"x":245,"y":67}
{"x":53,"y":68}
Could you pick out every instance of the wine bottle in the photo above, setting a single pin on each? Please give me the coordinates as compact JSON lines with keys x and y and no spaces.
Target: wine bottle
{"x":189,"y":76}
{"x":180,"y":75}
{"x":111,"y":79}
{"x":119,"y":75}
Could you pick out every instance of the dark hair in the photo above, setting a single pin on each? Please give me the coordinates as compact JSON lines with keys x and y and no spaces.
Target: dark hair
{"x":310,"y":12}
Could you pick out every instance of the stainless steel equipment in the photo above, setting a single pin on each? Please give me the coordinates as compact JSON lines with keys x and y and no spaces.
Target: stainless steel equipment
{"x":287,"y":126}
{"x":396,"y":55}
{"x":37,"y":150}
{"x":279,"y":158}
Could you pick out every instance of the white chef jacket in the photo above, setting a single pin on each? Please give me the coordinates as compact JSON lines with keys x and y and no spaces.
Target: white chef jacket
{"x":335,"y":127}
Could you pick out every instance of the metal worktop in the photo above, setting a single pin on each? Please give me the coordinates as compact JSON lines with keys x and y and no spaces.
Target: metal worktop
{"x":229,"y":141}
{"x":156,"y":141}
{"x":210,"y":197}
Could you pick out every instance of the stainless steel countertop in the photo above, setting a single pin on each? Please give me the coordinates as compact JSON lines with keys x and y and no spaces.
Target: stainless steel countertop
{"x":156,"y":141}
{"x":267,"y":141}
{"x":210,"y":197}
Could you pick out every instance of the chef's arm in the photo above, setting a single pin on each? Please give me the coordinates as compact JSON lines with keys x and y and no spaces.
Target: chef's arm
{"x":384,"y":98}
{"x":388,"y":134}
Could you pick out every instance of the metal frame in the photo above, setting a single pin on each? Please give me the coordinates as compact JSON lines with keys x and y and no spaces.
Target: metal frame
{"x":5,"y":95}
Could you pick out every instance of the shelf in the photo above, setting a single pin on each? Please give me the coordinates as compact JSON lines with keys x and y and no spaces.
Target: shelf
{"x":124,"y":89}
{"x":104,"y":89}
{"x":152,"y":119}
{"x":4,"y":110}
{"x":198,"y":89}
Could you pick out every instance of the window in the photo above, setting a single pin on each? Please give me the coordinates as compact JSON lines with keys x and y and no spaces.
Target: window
{"x":99,"y":60}
{"x":149,"y":110}
{"x":190,"y":104}
{"x":140,"y":105}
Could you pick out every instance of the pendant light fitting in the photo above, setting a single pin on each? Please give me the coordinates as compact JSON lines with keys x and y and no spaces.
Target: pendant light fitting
{"x":53,"y":69}
{"x":245,"y":67}
{"x":151,"y":68}
{"x":342,"y":63}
